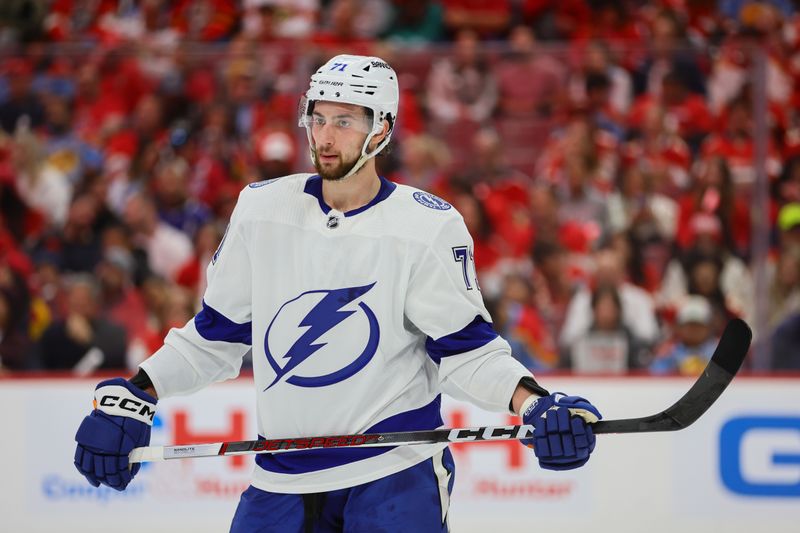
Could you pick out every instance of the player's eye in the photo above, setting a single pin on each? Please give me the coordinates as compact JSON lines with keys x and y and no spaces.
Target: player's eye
{"x":319,"y":121}
{"x":342,"y":123}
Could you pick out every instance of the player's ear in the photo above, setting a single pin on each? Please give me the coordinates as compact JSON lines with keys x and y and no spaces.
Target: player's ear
{"x":379,"y":137}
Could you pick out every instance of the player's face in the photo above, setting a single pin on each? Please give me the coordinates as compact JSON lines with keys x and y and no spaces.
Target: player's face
{"x":338,"y":132}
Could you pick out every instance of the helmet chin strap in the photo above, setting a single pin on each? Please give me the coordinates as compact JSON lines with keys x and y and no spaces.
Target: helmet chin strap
{"x":365,"y":156}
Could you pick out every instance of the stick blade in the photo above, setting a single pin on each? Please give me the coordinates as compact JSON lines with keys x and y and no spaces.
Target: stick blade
{"x":726,"y":361}
{"x":729,"y":354}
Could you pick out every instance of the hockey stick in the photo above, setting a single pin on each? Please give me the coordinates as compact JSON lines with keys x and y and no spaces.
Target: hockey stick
{"x":724,"y":364}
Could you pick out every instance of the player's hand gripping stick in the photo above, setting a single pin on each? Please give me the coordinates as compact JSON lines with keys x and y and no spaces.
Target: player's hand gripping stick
{"x":120,"y":422}
{"x":562,"y":437}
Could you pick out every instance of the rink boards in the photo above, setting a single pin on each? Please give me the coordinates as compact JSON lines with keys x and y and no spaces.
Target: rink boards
{"x":737,"y":468}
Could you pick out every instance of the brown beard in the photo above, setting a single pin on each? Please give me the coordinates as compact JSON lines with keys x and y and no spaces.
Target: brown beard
{"x":336,"y":173}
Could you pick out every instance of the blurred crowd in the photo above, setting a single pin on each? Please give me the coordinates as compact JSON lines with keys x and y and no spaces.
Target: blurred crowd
{"x":607,"y":156}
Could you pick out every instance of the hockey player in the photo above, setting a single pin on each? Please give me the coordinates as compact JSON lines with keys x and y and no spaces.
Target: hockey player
{"x":359,"y":301}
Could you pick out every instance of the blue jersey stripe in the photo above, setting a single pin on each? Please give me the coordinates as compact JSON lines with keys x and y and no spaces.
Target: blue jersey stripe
{"x":214,"y":326}
{"x":474,"y":335}
{"x":304,"y":461}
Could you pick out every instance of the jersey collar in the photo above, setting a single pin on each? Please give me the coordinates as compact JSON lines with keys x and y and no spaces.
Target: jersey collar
{"x":314,"y":188}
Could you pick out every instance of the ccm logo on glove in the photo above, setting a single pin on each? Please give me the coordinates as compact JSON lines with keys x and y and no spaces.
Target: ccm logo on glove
{"x":532,"y":403}
{"x":118,"y":401}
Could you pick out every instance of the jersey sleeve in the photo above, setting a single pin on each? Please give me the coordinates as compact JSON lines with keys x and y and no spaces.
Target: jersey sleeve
{"x":210,"y":347}
{"x":444,"y":301}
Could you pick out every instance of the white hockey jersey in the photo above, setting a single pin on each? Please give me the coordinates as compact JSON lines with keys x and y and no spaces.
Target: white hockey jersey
{"x":357,"y":322}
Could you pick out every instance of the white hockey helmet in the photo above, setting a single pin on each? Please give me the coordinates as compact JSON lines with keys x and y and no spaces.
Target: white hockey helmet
{"x":361,"y":80}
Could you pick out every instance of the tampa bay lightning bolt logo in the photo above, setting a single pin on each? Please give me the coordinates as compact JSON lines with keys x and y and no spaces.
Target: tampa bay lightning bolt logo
{"x":431,"y":200}
{"x":326,"y":318}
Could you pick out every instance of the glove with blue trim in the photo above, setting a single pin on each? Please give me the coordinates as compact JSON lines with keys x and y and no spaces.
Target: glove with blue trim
{"x":121,"y":421}
{"x":562,"y":437}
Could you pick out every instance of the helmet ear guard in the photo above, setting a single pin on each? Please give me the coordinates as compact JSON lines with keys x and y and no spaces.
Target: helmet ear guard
{"x":377,"y":126}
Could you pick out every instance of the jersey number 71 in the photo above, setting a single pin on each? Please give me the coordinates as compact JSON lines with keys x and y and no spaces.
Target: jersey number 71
{"x":464,"y":255}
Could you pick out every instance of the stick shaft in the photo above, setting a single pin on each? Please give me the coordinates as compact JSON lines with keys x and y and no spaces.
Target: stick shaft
{"x":403,"y":438}
{"x":726,"y":361}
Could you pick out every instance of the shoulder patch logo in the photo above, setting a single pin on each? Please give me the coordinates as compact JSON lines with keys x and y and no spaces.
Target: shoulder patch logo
{"x":431,"y":200}
{"x":257,"y":184}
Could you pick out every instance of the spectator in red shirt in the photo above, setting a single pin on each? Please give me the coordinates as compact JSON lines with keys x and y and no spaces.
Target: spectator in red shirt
{"x":503,"y":191}
{"x":658,"y":146}
{"x":120,"y":73}
{"x":736,"y":145}
{"x":141,"y":140}
{"x":687,"y":110}
{"x":579,"y":139}
{"x":712,"y":192}
{"x":98,"y":112}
